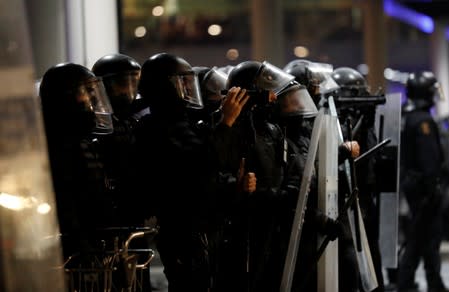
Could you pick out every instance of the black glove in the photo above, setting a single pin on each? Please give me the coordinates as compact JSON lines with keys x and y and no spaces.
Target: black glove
{"x":333,"y":229}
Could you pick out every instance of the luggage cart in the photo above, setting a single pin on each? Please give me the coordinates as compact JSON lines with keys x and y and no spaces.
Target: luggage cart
{"x":116,"y":269}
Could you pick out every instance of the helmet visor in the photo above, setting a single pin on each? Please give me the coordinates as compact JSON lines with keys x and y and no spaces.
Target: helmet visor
{"x":296,"y":101}
{"x":122,"y":86}
{"x":320,"y":77}
{"x":93,"y":94}
{"x":214,"y":82}
{"x":187,"y":88}
{"x":272,"y":78}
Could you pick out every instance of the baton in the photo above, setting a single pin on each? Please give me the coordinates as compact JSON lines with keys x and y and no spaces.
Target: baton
{"x":373,"y":150}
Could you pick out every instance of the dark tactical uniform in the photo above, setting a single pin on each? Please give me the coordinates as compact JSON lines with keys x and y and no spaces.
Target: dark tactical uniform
{"x":422,"y":158}
{"x":252,"y":235}
{"x":353,"y":84}
{"x":82,"y":189}
{"x":71,"y":96}
{"x":421,"y":163}
{"x":120,"y":74}
{"x":250,"y":248}
{"x":174,"y":172}
{"x":117,"y":150}
{"x":254,"y":238}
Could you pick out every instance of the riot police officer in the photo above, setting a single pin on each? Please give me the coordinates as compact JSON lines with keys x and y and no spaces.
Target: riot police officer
{"x":295,"y":104}
{"x":421,"y":162}
{"x":120,"y":74}
{"x":72,"y":99}
{"x":352,"y":84}
{"x":252,"y":257}
{"x":175,"y":170}
{"x":295,"y":114}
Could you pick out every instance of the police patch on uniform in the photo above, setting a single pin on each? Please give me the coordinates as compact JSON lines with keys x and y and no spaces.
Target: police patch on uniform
{"x":425,"y":128}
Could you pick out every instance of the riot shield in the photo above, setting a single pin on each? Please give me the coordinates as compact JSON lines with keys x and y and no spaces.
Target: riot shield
{"x":295,"y":236}
{"x":328,"y":201}
{"x":388,"y":123}
{"x":362,"y":250}
{"x":30,"y":253}
{"x":324,"y":140}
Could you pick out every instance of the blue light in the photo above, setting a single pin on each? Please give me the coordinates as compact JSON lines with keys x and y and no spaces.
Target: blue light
{"x":418,"y":20}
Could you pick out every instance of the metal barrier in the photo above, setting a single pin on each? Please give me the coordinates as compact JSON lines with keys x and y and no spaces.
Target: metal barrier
{"x":119,"y":269}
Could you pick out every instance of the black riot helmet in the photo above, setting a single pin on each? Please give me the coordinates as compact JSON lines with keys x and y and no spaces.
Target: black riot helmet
{"x":299,"y":69}
{"x":295,"y":100}
{"x":258,"y":78}
{"x":74,"y":99}
{"x":212,"y":82}
{"x":422,"y":88}
{"x":168,"y":83}
{"x":351,"y":82}
{"x":314,"y":76}
{"x":120,"y":75}
{"x":244,"y":75}
{"x":254,"y":75}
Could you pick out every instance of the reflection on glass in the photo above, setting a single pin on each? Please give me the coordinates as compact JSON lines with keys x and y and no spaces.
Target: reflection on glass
{"x":30,"y":246}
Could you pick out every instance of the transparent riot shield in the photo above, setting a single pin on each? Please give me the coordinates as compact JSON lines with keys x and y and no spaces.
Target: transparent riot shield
{"x":328,"y":200}
{"x":295,"y":236}
{"x":363,"y":253}
{"x":30,"y":249}
{"x":388,"y":123}
{"x":324,"y":142}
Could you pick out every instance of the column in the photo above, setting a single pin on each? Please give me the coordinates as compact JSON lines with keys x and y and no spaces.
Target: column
{"x":374,"y":43}
{"x":267,"y":31}
{"x":440,"y":64}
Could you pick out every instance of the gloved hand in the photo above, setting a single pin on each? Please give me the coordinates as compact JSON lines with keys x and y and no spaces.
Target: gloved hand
{"x":333,"y":228}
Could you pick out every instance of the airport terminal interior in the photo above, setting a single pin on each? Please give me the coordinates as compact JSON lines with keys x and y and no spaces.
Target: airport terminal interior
{"x":384,"y":40}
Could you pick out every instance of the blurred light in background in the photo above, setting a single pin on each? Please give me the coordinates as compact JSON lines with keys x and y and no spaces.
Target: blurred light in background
{"x":214,"y":29}
{"x":158,"y":11}
{"x":232,"y":54}
{"x":418,"y":20}
{"x":140,"y":31}
{"x":301,"y":52}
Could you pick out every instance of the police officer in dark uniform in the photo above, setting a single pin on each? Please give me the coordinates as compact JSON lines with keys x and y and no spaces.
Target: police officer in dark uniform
{"x":421,"y":163}
{"x":176,"y":172}
{"x":294,"y":107}
{"x":72,"y":98}
{"x":295,"y":104}
{"x":252,"y":256}
{"x":120,"y":74}
{"x":361,"y":117}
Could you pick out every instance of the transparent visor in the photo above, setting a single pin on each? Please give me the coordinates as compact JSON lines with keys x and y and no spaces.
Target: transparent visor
{"x":94,"y":97}
{"x":296,"y":101}
{"x":272,"y":78}
{"x":187,"y":87}
{"x":123,"y":86}
{"x":320,"y":77}
{"x":214,"y":82}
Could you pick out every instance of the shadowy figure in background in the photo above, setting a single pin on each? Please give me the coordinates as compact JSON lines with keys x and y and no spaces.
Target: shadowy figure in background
{"x":421,"y":165}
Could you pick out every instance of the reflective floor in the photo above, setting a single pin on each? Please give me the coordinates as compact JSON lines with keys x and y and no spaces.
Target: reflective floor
{"x":159,"y":282}
{"x":420,"y":277}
